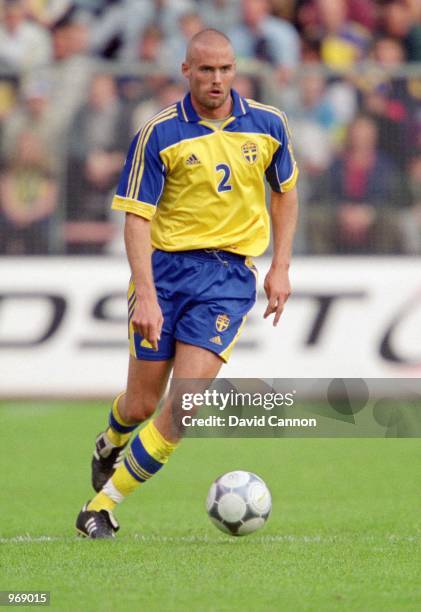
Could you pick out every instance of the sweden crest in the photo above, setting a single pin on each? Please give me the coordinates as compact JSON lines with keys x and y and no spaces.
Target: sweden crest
{"x":222,"y":322}
{"x":249,"y":151}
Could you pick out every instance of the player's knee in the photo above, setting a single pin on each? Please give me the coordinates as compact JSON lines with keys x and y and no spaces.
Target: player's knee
{"x":142,"y":408}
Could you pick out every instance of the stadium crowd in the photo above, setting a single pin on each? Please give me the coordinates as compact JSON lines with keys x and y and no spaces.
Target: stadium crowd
{"x":79,"y":77}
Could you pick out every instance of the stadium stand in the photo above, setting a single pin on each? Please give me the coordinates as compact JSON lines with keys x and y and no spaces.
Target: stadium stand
{"x":79,"y":77}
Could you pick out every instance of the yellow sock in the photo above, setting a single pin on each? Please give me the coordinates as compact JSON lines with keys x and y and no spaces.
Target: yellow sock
{"x":101,"y":501}
{"x":116,"y":438}
{"x":155,"y":444}
{"x":118,"y":432}
{"x":148,"y":453}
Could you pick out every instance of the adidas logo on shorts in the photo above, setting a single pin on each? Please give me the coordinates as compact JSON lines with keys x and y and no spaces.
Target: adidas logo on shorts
{"x":193,"y":160}
{"x":216,"y":340}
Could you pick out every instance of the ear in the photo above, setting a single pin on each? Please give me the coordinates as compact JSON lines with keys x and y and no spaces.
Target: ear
{"x":185,"y":70}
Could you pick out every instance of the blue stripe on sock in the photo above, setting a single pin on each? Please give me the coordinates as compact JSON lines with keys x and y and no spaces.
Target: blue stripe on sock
{"x":129,"y":469}
{"x":143,"y":458}
{"x":120,"y":428}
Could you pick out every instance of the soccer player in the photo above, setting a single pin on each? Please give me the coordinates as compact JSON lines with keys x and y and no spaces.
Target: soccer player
{"x":193,"y":193}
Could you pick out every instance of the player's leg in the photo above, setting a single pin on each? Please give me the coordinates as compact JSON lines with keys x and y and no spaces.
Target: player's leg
{"x":194,"y":369}
{"x":146,"y":384}
{"x":220,"y":292}
{"x":151,"y":448}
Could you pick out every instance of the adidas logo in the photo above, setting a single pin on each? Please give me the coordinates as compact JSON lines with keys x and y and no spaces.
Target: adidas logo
{"x":216,"y":340}
{"x":193,"y":160}
{"x":145,"y":343}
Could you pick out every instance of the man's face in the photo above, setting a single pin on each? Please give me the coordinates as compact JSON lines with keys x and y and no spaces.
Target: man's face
{"x":363,"y":134}
{"x":210,"y":70}
{"x":14,"y":15}
{"x":254,"y":11}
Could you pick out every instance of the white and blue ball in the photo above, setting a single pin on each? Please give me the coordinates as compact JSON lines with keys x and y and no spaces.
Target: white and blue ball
{"x":239,"y":503}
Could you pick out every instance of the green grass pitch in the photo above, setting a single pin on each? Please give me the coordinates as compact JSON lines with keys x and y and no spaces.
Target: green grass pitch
{"x":344,"y":532}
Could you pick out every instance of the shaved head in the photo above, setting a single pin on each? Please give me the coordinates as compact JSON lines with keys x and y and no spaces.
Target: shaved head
{"x":210,"y":69}
{"x":205,"y":39}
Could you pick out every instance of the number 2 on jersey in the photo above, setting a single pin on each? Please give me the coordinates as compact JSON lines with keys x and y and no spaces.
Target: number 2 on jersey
{"x":223,"y":184}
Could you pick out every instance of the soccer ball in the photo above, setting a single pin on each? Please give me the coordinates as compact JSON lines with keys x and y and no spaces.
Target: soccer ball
{"x":239,"y":503}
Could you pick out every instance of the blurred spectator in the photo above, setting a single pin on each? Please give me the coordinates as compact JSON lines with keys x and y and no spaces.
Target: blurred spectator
{"x":311,"y":101}
{"x":310,"y":50}
{"x":167,"y":13}
{"x":386,"y":97}
{"x":189,"y":24}
{"x":33,"y":114}
{"x":98,"y":140}
{"x":415,"y":9}
{"x":28,"y":199}
{"x":362,"y":188}
{"x":344,"y":100}
{"x":247,"y":86}
{"x":23,"y":44}
{"x":121,"y":25}
{"x":343,"y":42}
{"x":411,"y":219}
{"x":219,"y":14}
{"x":364,"y":12}
{"x":267,"y":38}
{"x":312,"y":118}
{"x":342,"y":28}
{"x":388,"y":52}
{"x":132,"y":91}
{"x":151,"y":52}
{"x":415,"y":90}
{"x":399,"y":22}
{"x":8,"y":98}
{"x":70,"y":72}
{"x":284,"y":9}
{"x":151,"y":47}
{"x":165,"y":96}
{"x":115,"y":31}
{"x":321,"y":106}
{"x":49,"y":12}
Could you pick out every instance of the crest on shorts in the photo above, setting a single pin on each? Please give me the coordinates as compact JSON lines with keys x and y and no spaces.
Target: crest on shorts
{"x":249,"y":151}
{"x":222,"y":322}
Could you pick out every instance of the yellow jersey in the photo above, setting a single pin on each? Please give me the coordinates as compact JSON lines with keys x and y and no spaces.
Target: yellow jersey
{"x":203,"y":187}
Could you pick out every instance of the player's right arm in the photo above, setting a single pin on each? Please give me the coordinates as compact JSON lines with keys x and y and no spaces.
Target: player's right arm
{"x":147,"y":317}
{"x":138,"y":193}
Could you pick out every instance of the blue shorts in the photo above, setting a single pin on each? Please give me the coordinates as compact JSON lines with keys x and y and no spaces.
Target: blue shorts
{"x":204,"y":296}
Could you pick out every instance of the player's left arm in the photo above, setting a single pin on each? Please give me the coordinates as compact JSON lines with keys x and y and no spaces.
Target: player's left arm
{"x":284,"y":215}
